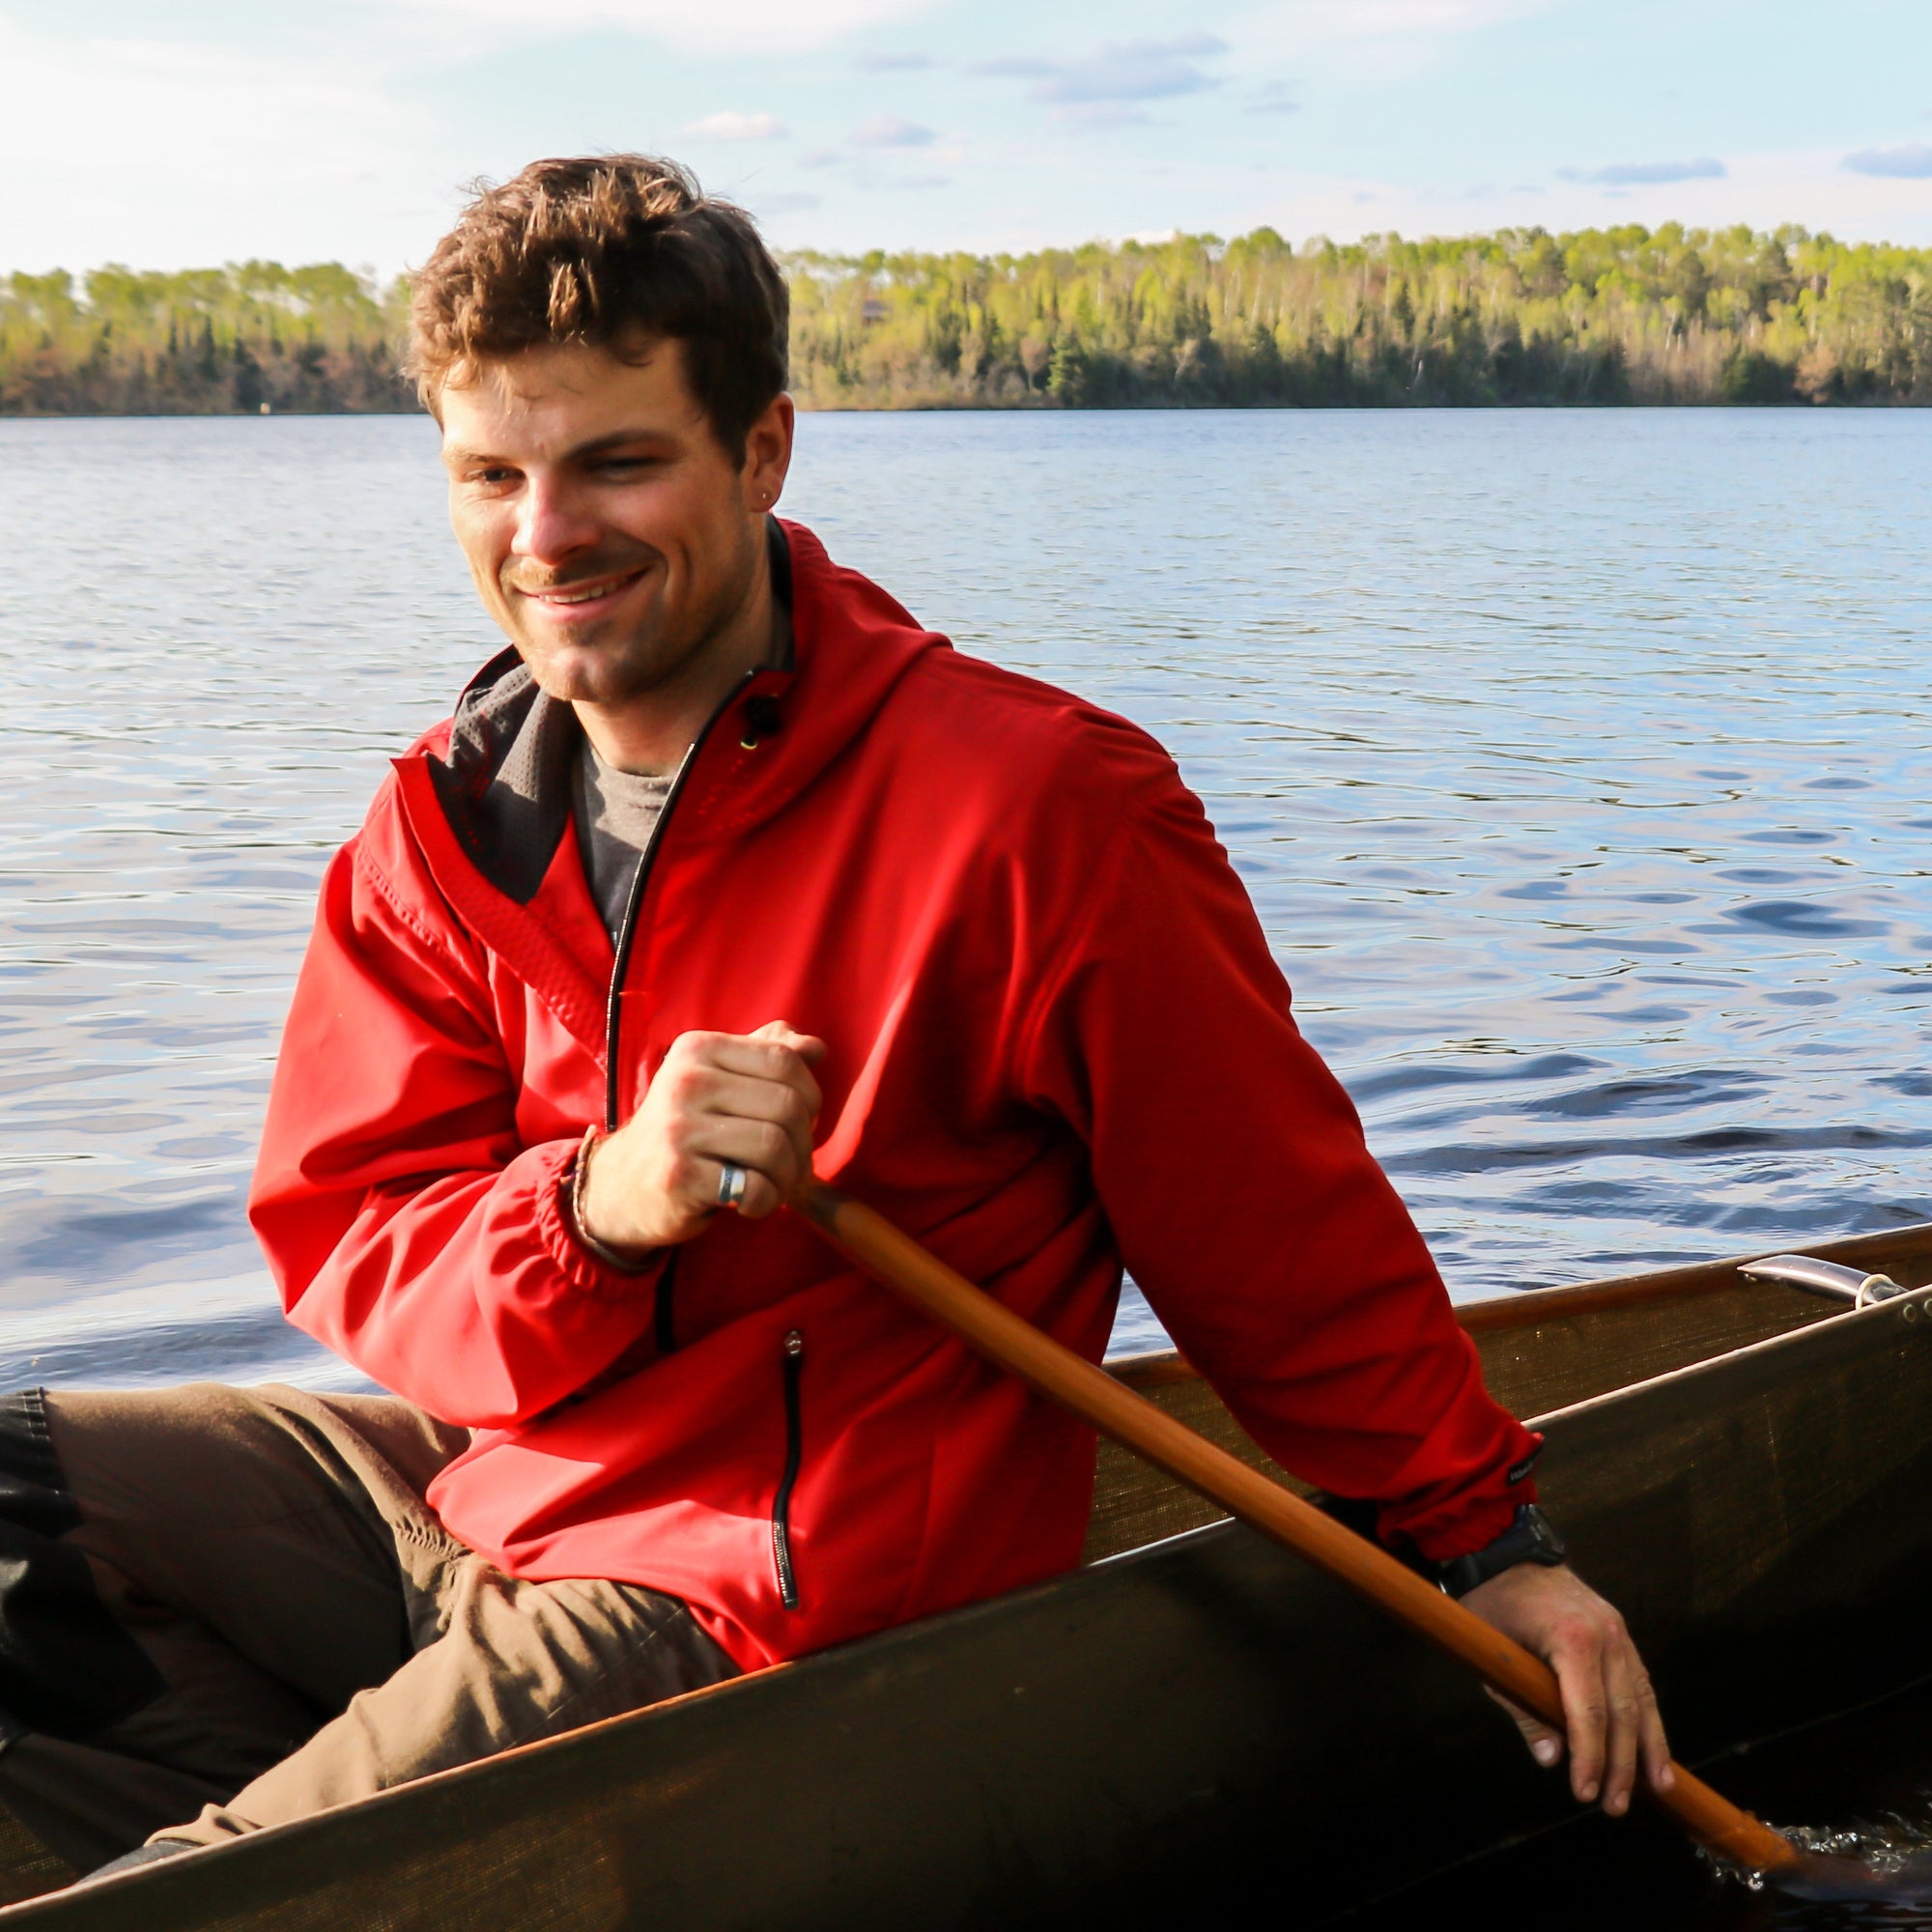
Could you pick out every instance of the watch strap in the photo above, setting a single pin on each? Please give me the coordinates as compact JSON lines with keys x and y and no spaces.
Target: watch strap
{"x":1530,"y":1538}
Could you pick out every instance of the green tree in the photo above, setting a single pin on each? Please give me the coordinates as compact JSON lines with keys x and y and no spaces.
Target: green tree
{"x":1521,"y":316}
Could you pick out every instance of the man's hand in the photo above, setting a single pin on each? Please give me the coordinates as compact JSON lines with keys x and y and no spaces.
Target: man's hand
{"x":746,"y":1098}
{"x":1609,"y":1709}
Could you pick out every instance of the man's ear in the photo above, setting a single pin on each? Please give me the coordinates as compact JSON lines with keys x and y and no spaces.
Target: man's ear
{"x":768,"y":445}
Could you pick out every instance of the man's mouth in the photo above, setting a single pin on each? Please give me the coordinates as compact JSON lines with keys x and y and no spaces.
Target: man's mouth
{"x":571,"y":596}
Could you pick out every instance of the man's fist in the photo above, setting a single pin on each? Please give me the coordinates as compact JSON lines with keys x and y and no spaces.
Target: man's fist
{"x":748,"y":1099}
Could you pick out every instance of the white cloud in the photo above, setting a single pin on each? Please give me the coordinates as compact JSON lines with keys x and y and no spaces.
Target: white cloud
{"x":1908,"y":163}
{"x":1761,"y":190}
{"x":1101,"y":117}
{"x":1363,"y":18}
{"x":1273,"y":97}
{"x":1367,"y":40}
{"x":158,"y":152}
{"x":1644,"y":174}
{"x":1117,"y":70}
{"x":721,"y":27}
{"x":890,"y":131}
{"x":729,"y":125}
{"x":779,"y":201}
{"x":1279,"y":23}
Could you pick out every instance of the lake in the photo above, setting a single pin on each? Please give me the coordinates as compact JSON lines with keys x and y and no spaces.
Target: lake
{"x":1576,"y":763}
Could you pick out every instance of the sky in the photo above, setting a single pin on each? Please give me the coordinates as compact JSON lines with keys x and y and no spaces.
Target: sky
{"x":213,"y":131}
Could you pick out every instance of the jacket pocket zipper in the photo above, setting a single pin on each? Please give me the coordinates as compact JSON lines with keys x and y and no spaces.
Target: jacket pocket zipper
{"x":664,"y":1309}
{"x":793,"y":1361}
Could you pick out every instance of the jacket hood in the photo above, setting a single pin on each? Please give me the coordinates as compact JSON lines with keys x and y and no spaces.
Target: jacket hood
{"x":500,"y":771}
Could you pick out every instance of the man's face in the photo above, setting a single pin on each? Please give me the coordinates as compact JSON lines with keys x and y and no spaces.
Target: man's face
{"x":609,"y":531}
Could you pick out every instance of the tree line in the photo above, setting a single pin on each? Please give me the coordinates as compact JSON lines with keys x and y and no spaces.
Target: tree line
{"x":1521,"y":316}
{"x":1619,"y":315}
{"x":242,"y":340}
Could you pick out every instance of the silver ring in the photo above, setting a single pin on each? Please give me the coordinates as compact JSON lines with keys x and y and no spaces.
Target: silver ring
{"x":731,"y":1185}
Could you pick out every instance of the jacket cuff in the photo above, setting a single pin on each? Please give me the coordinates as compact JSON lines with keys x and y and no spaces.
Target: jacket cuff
{"x":1481,"y":1513}
{"x":556,"y":1229}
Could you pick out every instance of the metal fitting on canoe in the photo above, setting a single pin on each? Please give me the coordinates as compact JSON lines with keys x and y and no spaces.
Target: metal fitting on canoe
{"x":1833,"y":1278}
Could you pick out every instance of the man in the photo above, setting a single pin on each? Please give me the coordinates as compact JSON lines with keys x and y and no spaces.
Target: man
{"x":725,"y":871}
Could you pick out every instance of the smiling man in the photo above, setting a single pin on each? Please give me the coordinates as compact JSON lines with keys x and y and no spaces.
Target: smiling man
{"x":724,"y":869}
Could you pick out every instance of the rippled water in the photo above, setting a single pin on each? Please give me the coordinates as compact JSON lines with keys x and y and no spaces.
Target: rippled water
{"x":1575,"y":761}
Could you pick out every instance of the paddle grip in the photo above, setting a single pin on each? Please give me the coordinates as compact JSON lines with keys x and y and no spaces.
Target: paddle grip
{"x":1056,"y":1372}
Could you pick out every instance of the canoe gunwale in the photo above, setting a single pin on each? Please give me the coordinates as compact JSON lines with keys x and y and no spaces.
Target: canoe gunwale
{"x":1161,"y":1368}
{"x":1693,"y":1278}
{"x":1912,"y":1308}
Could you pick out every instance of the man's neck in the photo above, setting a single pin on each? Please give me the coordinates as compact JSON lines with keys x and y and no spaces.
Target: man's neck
{"x":651,"y":734}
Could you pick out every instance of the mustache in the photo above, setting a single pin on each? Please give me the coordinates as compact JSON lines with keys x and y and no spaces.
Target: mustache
{"x":537,"y":582}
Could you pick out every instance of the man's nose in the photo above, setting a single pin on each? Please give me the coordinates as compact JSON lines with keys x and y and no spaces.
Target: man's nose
{"x":553,"y":521}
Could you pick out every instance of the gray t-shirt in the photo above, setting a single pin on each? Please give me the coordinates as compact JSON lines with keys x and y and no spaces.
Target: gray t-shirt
{"x":616,"y":813}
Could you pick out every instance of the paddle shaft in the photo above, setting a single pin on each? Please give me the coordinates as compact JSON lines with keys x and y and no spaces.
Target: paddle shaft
{"x":1099,"y":1399}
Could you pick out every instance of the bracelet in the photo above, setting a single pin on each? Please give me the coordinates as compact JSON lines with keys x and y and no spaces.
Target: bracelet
{"x":572,"y":1191}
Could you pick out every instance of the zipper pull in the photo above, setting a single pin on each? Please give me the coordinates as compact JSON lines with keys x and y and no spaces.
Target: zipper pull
{"x":762,"y":720}
{"x":793,"y":1372}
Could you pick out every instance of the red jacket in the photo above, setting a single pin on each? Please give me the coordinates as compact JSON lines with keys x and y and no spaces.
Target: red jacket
{"x":1058,"y":1043}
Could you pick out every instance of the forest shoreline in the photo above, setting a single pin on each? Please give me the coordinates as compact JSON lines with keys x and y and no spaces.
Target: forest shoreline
{"x":1518,"y":318}
{"x":1041,"y":406}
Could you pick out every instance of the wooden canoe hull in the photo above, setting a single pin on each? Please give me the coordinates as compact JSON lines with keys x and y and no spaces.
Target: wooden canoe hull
{"x":1180,"y":1728}
{"x":1541,"y":1351}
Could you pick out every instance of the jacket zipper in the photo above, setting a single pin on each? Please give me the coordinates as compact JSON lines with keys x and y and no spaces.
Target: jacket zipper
{"x":664,"y":1328}
{"x":663,"y":1324}
{"x":793,"y":1359}
{"x":627,"y":931}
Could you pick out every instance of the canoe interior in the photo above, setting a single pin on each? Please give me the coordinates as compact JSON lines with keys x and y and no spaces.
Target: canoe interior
{"x":1541,"y":1351}
{"x":1136,"y":1742}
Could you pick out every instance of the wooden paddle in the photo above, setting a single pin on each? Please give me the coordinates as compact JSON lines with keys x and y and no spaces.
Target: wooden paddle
{"x":1056,"y":1373}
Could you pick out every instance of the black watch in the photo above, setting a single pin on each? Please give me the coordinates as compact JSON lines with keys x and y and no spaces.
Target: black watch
{"x":1529,"y":1538}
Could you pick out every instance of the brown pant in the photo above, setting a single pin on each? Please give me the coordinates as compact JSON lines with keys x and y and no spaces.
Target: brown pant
{"x":287,"y":1626}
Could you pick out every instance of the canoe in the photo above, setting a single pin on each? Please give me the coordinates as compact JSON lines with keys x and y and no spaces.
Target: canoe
{"x":1192,"y":1720}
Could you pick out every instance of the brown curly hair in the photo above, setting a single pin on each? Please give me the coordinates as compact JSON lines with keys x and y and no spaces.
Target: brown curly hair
{"x":614,"y":251}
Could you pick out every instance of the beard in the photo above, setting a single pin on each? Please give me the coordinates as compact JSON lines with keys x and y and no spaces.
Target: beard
{"x":665,"y":628}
